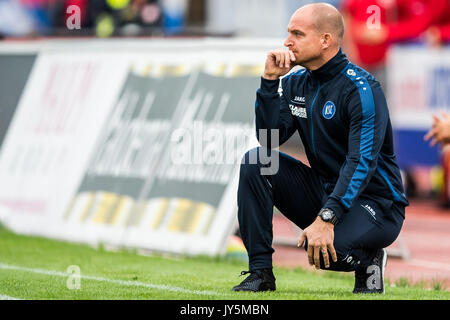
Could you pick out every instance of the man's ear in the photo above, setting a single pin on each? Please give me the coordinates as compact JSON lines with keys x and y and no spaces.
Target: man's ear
{"x":325,"y":41}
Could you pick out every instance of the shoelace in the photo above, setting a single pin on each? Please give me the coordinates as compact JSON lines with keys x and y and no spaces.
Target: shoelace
{"x":253,"y":275}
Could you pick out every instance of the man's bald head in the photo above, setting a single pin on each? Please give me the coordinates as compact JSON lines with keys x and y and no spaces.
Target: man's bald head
{"x":315,"y":34}
{"x":324,"y":17}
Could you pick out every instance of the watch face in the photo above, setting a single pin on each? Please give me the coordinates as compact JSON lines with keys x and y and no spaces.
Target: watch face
{"x":326,"y":214}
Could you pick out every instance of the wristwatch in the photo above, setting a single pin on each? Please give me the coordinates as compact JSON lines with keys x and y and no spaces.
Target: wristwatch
{"x":328,"y":215}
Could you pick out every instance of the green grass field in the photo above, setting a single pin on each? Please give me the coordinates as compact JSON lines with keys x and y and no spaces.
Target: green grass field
{"x":35,"y":268}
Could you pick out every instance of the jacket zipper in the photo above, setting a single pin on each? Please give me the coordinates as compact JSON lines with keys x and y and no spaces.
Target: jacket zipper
{"x":312,"y":123}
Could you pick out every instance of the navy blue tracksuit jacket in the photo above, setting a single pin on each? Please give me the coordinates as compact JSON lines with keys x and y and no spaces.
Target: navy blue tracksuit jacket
{"x":341,"y":114}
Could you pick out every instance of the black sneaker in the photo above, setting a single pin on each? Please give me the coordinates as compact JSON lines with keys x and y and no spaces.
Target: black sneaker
{"x":371,"y":280}
{"x":258,"y":280}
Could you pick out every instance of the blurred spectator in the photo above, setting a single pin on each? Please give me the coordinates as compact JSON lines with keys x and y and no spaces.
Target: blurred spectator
{"x":12,"y":11}
{"x":440,"y":133}
{"x":174,"y":15}
{"x":98,"y":17}
{"x":398,"y":20}
{"x":105,"y":18}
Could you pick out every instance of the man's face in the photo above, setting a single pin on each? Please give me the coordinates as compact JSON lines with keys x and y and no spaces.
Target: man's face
{"x":303,"y":39}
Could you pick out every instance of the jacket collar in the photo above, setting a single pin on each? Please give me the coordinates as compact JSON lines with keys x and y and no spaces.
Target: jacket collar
{"x":331,"y":68}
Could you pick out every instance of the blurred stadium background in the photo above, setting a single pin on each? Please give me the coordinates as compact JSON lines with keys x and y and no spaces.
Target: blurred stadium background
{"x":122,"y":122}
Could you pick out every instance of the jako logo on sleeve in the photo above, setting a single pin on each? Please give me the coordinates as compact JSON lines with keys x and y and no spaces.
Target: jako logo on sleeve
{"x":370,"y":210}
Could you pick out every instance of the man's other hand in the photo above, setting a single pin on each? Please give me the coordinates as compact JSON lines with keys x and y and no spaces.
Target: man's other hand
{"x":320,"y":235}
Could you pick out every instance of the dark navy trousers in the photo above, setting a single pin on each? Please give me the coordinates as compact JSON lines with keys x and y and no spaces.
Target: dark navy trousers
{"x":299,"y":194}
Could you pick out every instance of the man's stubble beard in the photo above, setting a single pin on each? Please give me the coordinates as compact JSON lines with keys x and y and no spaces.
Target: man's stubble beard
{"x":308,"y":61}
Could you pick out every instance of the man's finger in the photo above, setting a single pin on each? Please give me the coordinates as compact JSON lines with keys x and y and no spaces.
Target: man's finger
{"x":292,"y":55}
{"x":332,"y":252}
{"x":326,"y":259}
{"x":310,"y":255}
{"x":435,"y":117}
{"x":301,"y":240}
{"x":317,"y":257}
{"x":434,"y":142}
{"x":277,"y":58}
{"x":432,"y":134}
{"x":287,"y":59}
{"x":429,"y":134}
{"x":282,"y":56}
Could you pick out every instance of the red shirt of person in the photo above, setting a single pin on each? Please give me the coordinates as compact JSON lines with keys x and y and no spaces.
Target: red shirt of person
{"x":375,"y":24}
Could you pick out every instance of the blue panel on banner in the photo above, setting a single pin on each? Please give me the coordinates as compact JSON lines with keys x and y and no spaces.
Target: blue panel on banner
{"x":412,"y":150}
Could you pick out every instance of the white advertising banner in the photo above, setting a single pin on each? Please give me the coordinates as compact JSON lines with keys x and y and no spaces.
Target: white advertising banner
{"x":419,"y":85}
{"x":133,"y":144}
{"x":46,"y":149}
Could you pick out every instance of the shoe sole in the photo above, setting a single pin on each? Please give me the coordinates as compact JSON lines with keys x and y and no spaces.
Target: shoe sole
{"x":383,"y":268}
{"x":250,"y":290}
{"x":262,"y":288}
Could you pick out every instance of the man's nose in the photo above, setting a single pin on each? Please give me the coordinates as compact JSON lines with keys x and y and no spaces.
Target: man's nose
{"x":287,"y":42}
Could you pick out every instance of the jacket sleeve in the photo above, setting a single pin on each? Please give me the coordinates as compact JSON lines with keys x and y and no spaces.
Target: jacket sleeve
{"x":368,"y":118}
{"x":272,"y":112}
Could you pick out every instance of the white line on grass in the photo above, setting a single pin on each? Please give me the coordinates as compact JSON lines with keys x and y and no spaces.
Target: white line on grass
{"x":4,"y":297}
{"x":119,"y":282}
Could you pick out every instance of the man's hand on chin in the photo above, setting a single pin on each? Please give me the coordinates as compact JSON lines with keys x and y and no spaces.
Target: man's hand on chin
{"x":278,"y":63}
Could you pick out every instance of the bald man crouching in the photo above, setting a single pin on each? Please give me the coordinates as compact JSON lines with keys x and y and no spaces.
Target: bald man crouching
{"x":350,"y":202}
